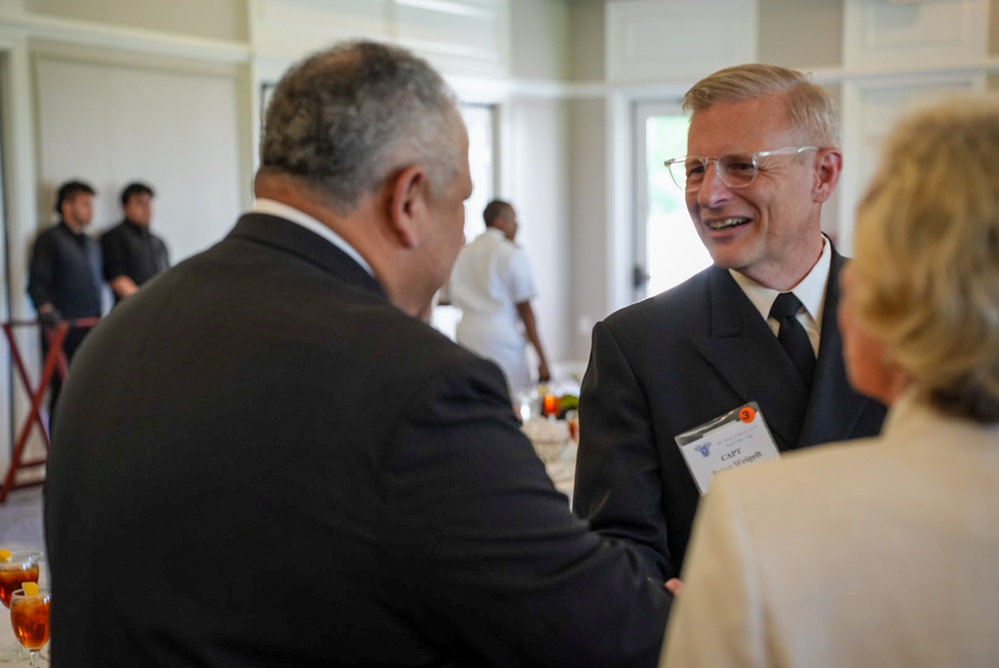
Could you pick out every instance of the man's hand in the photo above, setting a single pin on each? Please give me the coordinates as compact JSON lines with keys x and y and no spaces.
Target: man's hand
{"x":123,"y":286}
{"x":674,"y":586}
{"x":49,"y":317}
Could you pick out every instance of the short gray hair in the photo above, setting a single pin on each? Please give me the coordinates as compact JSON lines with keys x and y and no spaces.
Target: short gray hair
{"x":808,"y":105}
{"x":344,"y":119}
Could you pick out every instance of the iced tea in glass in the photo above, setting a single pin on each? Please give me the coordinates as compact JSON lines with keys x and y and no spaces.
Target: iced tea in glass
{"x":22,"y":567}
{"x":29,"y":616}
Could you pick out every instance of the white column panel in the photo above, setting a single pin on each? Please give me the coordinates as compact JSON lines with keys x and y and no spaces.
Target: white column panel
{"x":17,"y":128}
{"x":872,"y":110}
{"x":667,"y":40}
{"x":538,"y":190}
{"x":882,"y":33}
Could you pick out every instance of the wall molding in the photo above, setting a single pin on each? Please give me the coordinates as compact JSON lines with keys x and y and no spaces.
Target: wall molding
{"x":133,"y":40}
{"x":689,"y":40}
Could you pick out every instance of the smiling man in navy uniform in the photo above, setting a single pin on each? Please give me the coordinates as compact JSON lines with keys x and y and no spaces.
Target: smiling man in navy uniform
{"x":762,"y":159}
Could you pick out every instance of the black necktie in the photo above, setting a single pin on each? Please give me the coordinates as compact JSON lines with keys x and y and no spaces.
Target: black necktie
{"x":793,"y":336}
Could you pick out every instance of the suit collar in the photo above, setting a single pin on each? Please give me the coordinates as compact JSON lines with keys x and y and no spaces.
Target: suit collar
{"x":811,"y":289}
{"x":282,"y":210}
{"x":292,"y":238}
{"x":743,"y":350}
{"x":824,"y":414}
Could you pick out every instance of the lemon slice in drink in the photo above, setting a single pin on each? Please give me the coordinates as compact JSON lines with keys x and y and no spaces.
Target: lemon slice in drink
{"x":5,"y":555}
{"x":30,"y":588}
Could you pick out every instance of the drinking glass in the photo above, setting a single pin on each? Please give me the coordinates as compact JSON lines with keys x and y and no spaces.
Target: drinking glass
{"x":572,"y":419}
{"x":24,"y":566}
{"x":29,"y":616}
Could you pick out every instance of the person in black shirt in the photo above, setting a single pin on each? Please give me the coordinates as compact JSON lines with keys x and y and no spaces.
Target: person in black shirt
{"x":132,"y":254}
{"x":64,"y":279}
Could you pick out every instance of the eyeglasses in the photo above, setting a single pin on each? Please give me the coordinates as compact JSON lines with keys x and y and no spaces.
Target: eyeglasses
{"x":737,"y":170}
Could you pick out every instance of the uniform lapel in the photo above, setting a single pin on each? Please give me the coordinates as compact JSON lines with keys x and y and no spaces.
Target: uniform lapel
{"x":745,"y":353}
{"x":835,"y":407}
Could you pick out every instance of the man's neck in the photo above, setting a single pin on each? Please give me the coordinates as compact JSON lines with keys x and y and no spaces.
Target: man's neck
{"x":784,"y":277}
{"x":75,"y":228}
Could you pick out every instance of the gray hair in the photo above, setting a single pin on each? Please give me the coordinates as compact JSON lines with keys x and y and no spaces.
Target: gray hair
{"x":808,"y":105}
{"x":344,"y":119}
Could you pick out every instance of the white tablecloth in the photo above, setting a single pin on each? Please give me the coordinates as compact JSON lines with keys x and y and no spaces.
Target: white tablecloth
{"x":551,"y":440}
{"x":562,"y":470}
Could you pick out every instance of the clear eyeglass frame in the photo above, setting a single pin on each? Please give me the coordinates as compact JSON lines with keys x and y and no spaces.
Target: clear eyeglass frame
{"x":736,"y":170}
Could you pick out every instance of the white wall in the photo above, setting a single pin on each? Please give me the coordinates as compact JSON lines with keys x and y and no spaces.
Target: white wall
{"x":539,"y":192}
{"x":588,"y":206}
{"x":171,"y":129}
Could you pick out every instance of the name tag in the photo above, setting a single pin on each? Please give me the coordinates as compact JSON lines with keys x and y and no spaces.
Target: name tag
{"x":738,"y":437}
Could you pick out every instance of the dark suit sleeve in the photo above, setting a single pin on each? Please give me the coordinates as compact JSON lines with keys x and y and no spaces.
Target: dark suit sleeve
{"x":618,"y":478}
{"x":479,"y":529}
{"x":42,"y":270}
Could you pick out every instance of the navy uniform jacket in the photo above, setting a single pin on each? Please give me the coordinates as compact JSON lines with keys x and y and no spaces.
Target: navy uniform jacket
{"x":283,"y":469}
{"x":675,"y":361}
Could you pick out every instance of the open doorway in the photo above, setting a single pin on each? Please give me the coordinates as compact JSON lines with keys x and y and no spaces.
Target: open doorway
{"x":667,"y":248}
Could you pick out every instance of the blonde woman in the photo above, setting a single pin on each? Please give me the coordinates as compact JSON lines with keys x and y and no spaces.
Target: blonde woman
{"x":882,"y":552}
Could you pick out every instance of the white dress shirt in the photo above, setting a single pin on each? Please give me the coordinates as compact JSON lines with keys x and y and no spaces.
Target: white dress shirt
{"x":810,"y":291}
{"x":281,"y":210}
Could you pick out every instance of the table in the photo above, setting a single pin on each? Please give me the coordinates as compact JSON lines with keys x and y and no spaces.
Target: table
{"x":562,"y":470}
{"x":551,"y":440}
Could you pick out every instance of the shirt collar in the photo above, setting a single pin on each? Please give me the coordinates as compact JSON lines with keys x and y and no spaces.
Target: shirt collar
{"x":78,"y":235}
{"x":142,"y":229}
{"x":811,"y":290}
{"x":281,"y":210}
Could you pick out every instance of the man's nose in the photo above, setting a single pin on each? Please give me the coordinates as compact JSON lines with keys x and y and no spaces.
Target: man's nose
{"x":713,"y":190}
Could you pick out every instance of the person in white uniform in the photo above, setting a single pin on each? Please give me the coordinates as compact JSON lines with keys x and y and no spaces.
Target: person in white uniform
{"x":492,"y":285}
{"x":881,"y":552}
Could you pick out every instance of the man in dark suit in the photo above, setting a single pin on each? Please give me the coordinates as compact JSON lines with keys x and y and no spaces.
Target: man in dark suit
{"x":64,"y":281}
{"x":287,"y":466}
{"x":763,"y":158}
{"x":133,"y":254}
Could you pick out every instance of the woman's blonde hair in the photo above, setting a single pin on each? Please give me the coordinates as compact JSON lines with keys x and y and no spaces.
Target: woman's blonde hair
{"x":927,"y":254}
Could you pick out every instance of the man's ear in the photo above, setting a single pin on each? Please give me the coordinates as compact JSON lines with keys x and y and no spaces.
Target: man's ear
{"x":408,"y":204}
{"x":829,"y":165}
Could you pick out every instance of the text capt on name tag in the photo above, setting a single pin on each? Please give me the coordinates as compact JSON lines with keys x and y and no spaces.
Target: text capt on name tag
{"x":738,"y":437}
